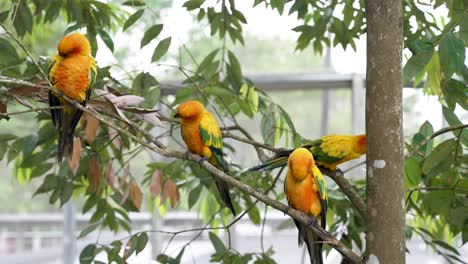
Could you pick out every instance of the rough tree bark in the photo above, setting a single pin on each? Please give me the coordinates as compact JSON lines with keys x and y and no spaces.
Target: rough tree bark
{"x":385,"y":160}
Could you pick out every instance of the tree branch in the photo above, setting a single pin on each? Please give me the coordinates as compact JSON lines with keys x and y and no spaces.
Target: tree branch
{"x":437,"y":133}
{"x":157,"y":147}
{"x":250,"y":142}
{"x":348,"y":190}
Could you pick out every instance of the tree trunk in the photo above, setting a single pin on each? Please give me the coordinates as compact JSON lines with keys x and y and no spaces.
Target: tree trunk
{"x":385,"y":160}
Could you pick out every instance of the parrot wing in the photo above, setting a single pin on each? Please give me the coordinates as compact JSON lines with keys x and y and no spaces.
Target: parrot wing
{"x":330,"y":149}
{"x":322,"y":188}
{"x":212,"y":138}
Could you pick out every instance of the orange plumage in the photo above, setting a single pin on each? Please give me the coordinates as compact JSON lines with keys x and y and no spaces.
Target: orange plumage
{"x":305,"y":191}
{"x":72,"y":72}
{"x":202,"y":135}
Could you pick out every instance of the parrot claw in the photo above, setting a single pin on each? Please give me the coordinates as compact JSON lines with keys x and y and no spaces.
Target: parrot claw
{"x":187,"y":154}
{"x":74,"y":103}
{"x":202,"y":159}
{"x":311,"y":221}
{"x":60,"y":94}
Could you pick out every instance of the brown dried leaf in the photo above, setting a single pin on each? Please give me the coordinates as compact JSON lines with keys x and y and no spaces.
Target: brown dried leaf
{"x":135,"y":194}
{"x":127,"y":100}
{"x":94,"y":175}
{"x":156,"y":183}
{"x":24,"y":90}
{"x":125,"y":194}
{"x":3,"y":109}
{"x":137,"y":110}
{"x":74,"y":161}
{"x":109,"y":174}
{"x":104,"y":93}
{"x":92,"y":125}
{"x":150,"y":118}
{"x":171,"y":191}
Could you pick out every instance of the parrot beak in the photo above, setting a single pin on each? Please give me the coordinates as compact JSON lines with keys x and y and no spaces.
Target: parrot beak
{"x":176,"y":115}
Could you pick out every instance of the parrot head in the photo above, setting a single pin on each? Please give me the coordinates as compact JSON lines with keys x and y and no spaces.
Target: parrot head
{"x":300,"y":163}
{"x":360,"y":146}
{"x":189,"y":109}
{"x":74,"y":44}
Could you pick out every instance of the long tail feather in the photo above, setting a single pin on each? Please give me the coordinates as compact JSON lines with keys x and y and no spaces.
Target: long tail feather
{"x":65,"y":140}
{"x":312,"y":241}
{"x":223,"y":189}
{"x":280,"y":160}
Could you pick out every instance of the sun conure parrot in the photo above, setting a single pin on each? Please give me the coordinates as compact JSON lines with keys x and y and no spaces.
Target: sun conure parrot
{"x":73,"y":72}
{"x":202,"y":136}
{"x":329,"y":151}
{"x":306,"y":191}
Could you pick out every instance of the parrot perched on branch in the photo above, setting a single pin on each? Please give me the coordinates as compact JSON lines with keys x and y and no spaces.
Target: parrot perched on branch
{"x":202,"y":136}
{"x":306,"y":191}
{"x":73,"y":72}
{"x":329,"y":151}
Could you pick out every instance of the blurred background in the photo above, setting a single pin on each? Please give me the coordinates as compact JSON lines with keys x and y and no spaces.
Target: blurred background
{"x":323,"y":95}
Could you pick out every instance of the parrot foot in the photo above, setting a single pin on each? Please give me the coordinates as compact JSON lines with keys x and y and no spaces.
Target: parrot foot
{"x":187,"y":154}
{"x":59,"y":94}
{"x":202,"y":159}
{"x":74,"y":103}
{"x":312,"y":221}
{"x":287,"y":210}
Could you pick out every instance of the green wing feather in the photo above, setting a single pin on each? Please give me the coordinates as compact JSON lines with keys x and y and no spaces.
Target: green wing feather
{"x":212,"y":137}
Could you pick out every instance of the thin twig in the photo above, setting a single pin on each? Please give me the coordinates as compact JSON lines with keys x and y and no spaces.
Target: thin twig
{"x":437,"y":133}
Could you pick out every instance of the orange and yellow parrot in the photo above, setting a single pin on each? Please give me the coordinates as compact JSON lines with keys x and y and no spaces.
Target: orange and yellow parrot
{"x":306,"y":191}
{"x":329,"y":151}
{"x":202,"y":136}
{"x":73,"y":72}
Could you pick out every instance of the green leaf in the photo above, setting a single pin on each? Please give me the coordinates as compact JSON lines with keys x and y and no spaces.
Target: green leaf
{"x":453,"y":120}
{"x":253,"y":99}
{"x":142,"y":82}
{"x":452,"y":55}
{"x":50,"y":182}
{"x":416,"y":63}
{"x":107,"y":39}
{"x":134,"y":3}
{"x":465,"y":234}
{"x":88,"y":254}
{"x":8,"y":54}
{"x":239,"y":16}
{"x":4,"y":15}
{"x":434,"y":76}
{"x":445,"y":246}
{"x":66,"y":194}
{"x":234,"y":70}
{"x":141,"y":242}
{"x":90,"y":228}
{"x":132,"y":19}
{"x":413,"y":171}
{"x":194,"y":195}
{"x":254,"y":215}
{"x":217,"y":243}
{"x":161,"y":49}
{"x":193,"y":4}
{"x":439,"y":156}
{"x":150,"y":34}
{"x":455,"y":92}
{"x":23,"y":20}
